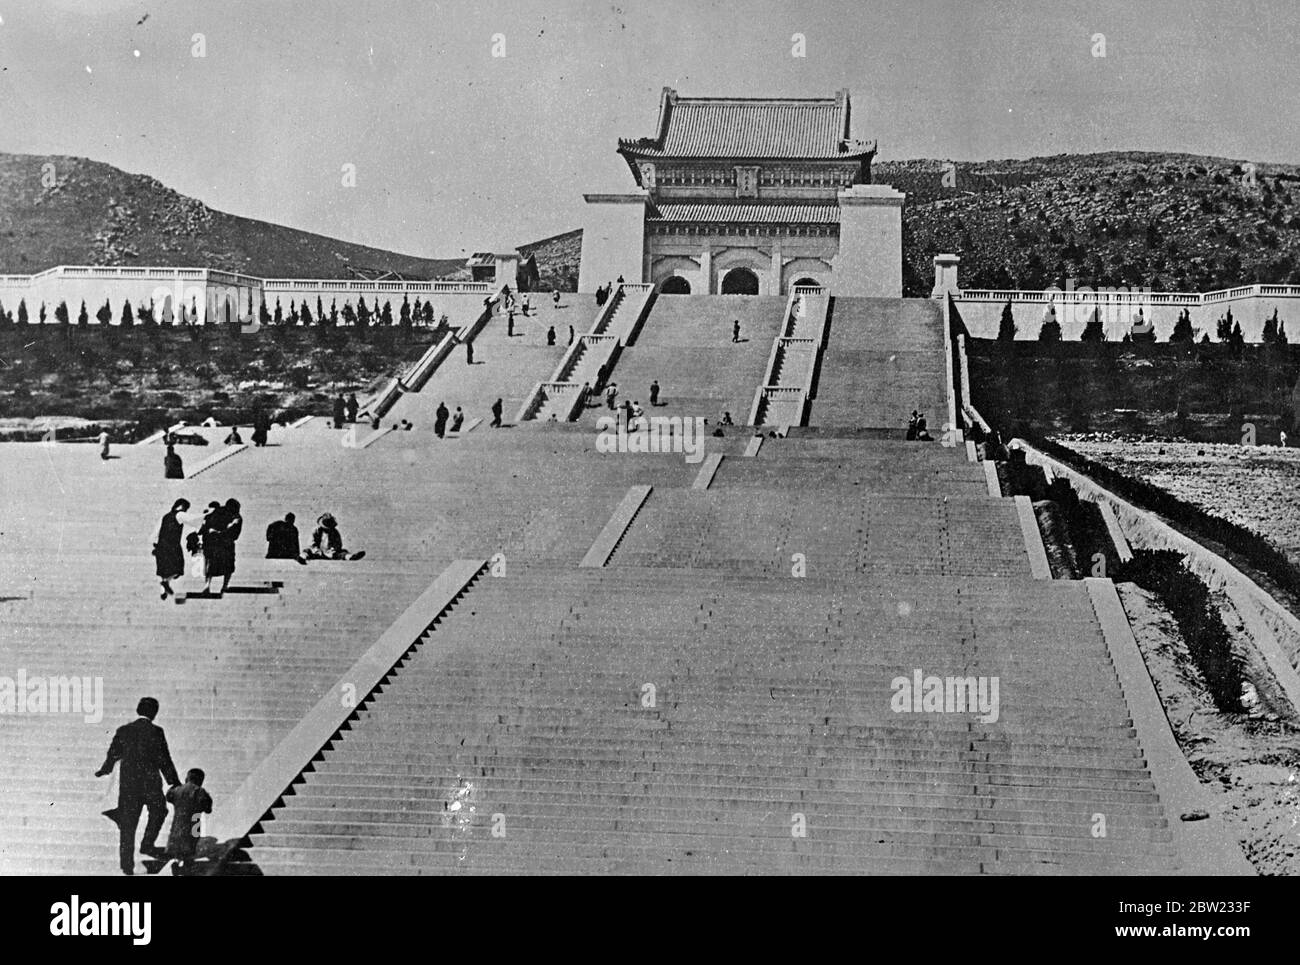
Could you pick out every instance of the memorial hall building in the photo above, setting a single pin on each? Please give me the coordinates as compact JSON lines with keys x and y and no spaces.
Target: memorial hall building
{"x":747,"y":196}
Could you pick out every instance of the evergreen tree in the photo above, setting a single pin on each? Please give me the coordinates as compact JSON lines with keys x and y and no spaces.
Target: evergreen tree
{"x":417,"y":311}
{"x":22,"y":311}
{"x":1269,"y":335}
{"x":1223,"y":330}
{"x":105,"y":313}
{"x":128,"y":316}
{"x":1006,"y":326}
{"x":279,"y":313}
{"x":1183,"y":328}
{"x":320,"y":311}
{"x":42,"y":313}
{"x":363,"y":313}
{"x":3,"y":317}
{"x":349,"y":315}
{"x":293,"y":313}
{"x":264,"y":313}
{"x":1051,"y":328}
{"x":61,"y":313}
{"x":1093,"y":331}
{"x":82,"y":317}
{"x":1238,"y":339}
{"x":405,"y":313}
{"x":386,"y":316}
{"x":334,"y":311}
{"x":1281,"y":333}
{"x":428,"y":314}
{"x":306,"y":314}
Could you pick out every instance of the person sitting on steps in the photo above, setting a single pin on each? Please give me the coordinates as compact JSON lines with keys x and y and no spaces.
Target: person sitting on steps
{"x":327,"y":542}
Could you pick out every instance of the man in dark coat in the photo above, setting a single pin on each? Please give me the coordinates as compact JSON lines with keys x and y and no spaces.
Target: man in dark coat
{"x":141,"y":746}
{"x":496,"y":414}
{"x":440,"y":419}
{"x":352,"y":406}
{"x":340,"y":409}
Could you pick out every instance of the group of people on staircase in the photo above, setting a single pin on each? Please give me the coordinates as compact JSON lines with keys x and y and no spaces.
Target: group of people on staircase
{"x":210,"y":544}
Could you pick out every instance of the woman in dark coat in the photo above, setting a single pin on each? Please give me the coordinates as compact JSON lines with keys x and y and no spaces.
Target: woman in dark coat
{"x":221,"y":529}
{"x":167,"y":550}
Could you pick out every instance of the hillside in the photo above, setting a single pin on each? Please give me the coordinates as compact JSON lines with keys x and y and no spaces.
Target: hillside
{"x":1169,"y":221}
{"x":96,"y":214}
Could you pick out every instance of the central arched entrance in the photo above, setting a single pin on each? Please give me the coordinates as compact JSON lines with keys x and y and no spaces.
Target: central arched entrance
{"x":807,"y":283}
{"x":740,"y":281}
{"x":675,"y":285}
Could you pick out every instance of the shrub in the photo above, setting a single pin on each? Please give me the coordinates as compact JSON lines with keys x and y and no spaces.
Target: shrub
{"x":1188,"y":600}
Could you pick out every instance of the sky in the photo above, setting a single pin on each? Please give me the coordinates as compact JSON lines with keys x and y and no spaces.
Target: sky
{"x":259,"y":107}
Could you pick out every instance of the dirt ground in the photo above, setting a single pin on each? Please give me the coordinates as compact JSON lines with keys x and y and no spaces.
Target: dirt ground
{"x":1253,"y":486}
{"x":1254,"y":763}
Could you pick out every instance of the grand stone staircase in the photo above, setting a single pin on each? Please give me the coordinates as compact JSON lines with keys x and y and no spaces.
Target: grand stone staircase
{"x":717,"y":697}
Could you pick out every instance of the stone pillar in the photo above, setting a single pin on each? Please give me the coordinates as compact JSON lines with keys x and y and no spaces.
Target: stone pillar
{"x":507,"y":269}
{"x":613,"y":239}
{"x":945,"y":276}
{"x":870,"y":259}
{"x":776,"y":268}
{"x":706,"y":273}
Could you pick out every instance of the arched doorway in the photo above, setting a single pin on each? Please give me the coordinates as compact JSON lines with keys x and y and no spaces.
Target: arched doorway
{"x":807,"y":283}
{"x":675,"y":285}
{"x":740,"y":281}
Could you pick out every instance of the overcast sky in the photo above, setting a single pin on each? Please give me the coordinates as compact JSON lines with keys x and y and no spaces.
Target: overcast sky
{"x":456,"y":149}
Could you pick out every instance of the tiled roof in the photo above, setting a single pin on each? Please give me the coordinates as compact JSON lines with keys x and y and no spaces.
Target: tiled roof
{"x":750,"y":128}
{"x":749,"y":213}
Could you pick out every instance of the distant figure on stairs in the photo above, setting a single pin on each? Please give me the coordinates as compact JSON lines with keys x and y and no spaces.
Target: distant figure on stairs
{"x":726,"y":419}
{"x":233,"y":438}
{"x":352,"y":407}
{"x":173,"y":468}
{"x":168,"y":553}
{"x":620,"y":279}
{"x":469,"y":353}
{"x":550,"y":335}
{"x":735,"y":330}
{"x":555,"y":299}
{"x":510,"y":323}
{"x":654,"y":392}
{"x":282,"y":540}
{"x":262,"y":427}
{"x":327,"y":542}
{"x":916,"y":428}
{"x":188,"y":801}
{"x":457,"y":419}
{"x":525,"y":306}
{"x":601,"y":295}
{"x":141,"y":746}
{"x":440,"y":420}
{"x":496,"y":414}
{"x":570,"y":331}
{"x":103,"y":444}
{"x":340,"y":409}
{"x":611,"y":393}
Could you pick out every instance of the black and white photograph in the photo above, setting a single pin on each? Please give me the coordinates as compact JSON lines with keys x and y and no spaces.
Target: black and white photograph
{"x":691,"y":438}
